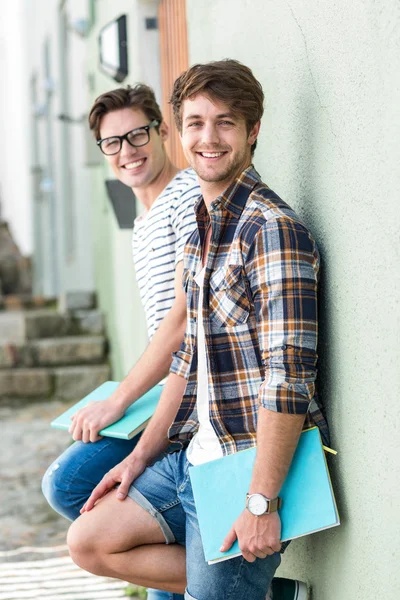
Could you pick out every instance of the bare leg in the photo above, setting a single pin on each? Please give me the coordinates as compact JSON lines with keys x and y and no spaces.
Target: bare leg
{"x":120,"y":539}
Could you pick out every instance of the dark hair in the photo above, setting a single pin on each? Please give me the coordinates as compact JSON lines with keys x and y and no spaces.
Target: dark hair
{"x":227,"y":81}
{"x":139,"y":96}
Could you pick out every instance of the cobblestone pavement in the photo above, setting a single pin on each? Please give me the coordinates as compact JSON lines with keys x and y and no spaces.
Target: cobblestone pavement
{"x":28,"y":446}
{"x":34,"y":561}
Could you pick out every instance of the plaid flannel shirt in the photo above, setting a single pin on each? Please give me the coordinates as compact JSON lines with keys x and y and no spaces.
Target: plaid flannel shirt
{"x":259,"y":312}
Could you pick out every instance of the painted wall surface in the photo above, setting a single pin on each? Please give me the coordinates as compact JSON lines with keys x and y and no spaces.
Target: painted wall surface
{"x":115,"y":278}
{"x":329,"y":145}
{"x":55,"y":138}
{"x":14,"y":126}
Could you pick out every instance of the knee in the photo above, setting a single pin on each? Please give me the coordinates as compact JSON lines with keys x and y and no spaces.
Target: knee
{"x":56,"y":490}
{"x":49,"y":488}
{"x":55,"y":494}
{"x":84,"y":548}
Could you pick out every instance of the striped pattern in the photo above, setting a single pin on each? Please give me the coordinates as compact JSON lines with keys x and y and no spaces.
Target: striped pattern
{"x":259,"y":313}
{"x":54,"y":578}
{"x":158,"y":242}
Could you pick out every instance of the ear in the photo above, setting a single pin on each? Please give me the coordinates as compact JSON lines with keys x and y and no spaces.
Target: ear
{"x":254,"y":133}
{"x":164,"y":131}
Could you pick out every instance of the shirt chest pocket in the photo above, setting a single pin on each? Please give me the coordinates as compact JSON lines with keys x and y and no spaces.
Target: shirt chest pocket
{"x":229,"y":300}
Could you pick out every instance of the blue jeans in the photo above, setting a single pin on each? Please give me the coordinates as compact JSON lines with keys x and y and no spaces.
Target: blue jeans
{"x":165,"y":491}
{"x":70,"y":480}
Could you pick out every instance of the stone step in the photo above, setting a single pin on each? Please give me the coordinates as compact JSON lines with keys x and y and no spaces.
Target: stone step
{"x":62,"y":383}
{"x":45,"y":324}
{"x":19,"y":326}
{"x":72,"y":350}
{"x":73,"y":383}
{"x":29,"y":383}
{"x":63,"y":351}
{"x":18,"y":302}
{"x":89,"y":322}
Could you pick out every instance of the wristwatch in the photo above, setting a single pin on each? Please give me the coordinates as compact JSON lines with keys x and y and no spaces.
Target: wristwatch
{"x":259,"y":505}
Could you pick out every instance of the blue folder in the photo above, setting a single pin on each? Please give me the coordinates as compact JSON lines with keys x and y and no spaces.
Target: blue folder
{"x":134,"y":420}
{"x":220,"y":487}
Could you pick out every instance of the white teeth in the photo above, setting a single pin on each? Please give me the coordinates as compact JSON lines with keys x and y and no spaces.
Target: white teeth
{"x":211,"y":154}
{"x":134,"y":165}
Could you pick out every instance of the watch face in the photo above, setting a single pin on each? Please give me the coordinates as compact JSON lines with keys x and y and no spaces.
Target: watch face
{"x":257,"y":504}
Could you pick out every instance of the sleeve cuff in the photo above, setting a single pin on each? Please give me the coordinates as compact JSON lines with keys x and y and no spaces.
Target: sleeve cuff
{"x":289,"y":398}
{"x":181,"y":362}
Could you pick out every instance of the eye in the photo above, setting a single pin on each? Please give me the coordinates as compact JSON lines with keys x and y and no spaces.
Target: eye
{"x":226,"y":123}
{"x":137,"y":136}
{"x":110,"y":143}
{"x":194,"y":124}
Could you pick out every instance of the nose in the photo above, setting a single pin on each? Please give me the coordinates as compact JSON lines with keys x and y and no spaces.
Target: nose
{"x":210,"y":134}
{"x":127,"y":149}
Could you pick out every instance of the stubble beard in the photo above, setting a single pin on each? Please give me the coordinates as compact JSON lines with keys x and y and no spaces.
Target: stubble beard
{"x":231,"y":170}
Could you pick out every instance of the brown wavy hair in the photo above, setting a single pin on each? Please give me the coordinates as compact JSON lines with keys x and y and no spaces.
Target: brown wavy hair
{"x":140,"y":96}
{"x":227,"y":81}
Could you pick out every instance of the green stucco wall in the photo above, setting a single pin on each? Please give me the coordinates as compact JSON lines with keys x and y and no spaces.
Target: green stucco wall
{"x":329,"y":145}
{"x":114,"y":273}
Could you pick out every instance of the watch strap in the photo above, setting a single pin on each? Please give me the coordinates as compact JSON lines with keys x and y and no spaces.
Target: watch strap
{"x":273,"y":504}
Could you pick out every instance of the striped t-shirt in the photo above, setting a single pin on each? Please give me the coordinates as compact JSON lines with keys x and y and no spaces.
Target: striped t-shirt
{"x":158,"y":240}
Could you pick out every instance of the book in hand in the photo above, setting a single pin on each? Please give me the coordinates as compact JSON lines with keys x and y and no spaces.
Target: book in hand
{"x":220,"y":487}
{"x":134,"y":420}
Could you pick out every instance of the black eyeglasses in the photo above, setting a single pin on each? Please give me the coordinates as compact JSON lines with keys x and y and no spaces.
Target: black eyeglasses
{"x":136,"y":138}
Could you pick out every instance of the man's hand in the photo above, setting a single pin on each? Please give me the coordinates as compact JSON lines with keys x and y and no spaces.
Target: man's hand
{"x":258,"y":537}
{"x":124,"y":474}
{"x":88,"y":421}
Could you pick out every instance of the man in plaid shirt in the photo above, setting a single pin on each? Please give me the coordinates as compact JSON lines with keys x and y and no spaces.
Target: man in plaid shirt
{"x":244,"y":375}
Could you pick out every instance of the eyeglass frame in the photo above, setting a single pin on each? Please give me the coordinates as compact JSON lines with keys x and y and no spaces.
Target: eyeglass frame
{"x":153,"y":123}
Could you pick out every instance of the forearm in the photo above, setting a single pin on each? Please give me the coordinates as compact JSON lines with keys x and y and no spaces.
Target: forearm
{"x":277,"y":437}
{"x":154,"y":440}
{"x":154,"y":363}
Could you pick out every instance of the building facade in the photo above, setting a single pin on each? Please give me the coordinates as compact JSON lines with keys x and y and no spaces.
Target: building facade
{"x":328,"y":145}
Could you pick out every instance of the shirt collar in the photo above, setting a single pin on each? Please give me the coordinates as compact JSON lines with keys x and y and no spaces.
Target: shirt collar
{"x":235,"y":196}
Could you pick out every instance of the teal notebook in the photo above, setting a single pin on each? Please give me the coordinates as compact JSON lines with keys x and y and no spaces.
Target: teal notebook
{"x":220,"y":487}
{"x":134,"y":420}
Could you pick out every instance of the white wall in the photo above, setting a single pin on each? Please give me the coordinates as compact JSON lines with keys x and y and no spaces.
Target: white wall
{"x":63,"y":257}
{"x":330,"y":146}
{"x":14,"y":126}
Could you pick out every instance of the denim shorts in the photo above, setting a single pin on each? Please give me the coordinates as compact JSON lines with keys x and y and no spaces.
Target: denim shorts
{"x":164,"y":490}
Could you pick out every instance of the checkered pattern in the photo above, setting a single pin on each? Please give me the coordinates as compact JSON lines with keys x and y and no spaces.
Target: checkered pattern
{"x":259,"y":311}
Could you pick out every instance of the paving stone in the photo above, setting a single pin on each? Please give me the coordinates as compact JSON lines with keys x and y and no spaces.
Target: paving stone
{"x":73,"y":383}
{"x":29,"y":445}
{"x":68,"y":350}
{"x":89,"y":321}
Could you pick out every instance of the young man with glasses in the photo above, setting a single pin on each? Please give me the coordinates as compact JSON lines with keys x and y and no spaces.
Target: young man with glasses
{"x":244,"y":374}
{"x":130,"y":131}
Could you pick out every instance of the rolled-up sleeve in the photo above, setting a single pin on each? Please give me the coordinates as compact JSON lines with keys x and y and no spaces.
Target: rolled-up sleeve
{"x":282,"y":269}
{"x":181,"y":361}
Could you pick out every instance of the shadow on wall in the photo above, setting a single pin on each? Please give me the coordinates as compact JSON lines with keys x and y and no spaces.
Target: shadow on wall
{"x":321,"y":218}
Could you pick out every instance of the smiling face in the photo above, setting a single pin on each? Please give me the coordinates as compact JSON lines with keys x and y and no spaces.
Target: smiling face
{"x":136,"y":167}
{"x":216,"y":143}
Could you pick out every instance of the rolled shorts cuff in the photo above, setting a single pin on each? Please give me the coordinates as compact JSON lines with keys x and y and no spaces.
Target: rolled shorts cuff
{"x":148,"y":507}
{"x":188,"y":596}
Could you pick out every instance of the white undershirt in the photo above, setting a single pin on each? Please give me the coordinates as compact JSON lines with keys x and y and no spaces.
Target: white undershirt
{"x":204,"y":445}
